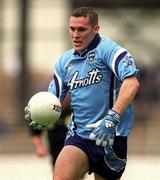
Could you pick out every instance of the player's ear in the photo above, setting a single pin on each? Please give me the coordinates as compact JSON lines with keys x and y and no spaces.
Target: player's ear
{"x":96,"y":28}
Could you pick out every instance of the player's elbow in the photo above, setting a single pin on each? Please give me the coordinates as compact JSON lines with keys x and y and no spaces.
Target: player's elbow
{"x":132,"y":84}
{"x":136,"y":85}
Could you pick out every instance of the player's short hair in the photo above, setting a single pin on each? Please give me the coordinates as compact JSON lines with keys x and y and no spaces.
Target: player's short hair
{"x":87,"y":11}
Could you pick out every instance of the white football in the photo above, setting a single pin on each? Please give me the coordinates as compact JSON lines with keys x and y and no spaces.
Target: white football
{"x":44,"y":108}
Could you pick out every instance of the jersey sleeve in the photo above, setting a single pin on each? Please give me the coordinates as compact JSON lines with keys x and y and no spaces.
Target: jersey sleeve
{"x":120,"y":62}
{"x":58,"y":86}
{"x":125,"y":66}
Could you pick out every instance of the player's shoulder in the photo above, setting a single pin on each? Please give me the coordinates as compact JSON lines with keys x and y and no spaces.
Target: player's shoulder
{"x":65,"y":58}
{"x":109,"y":43}
{"x":68,"y":54}
{"x":108,"y":46}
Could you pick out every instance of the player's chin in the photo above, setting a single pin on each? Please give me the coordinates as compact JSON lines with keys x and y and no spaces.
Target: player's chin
{"x":78,"y":48}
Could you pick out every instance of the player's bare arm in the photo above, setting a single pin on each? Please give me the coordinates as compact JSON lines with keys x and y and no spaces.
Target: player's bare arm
{"x":127,"y":93}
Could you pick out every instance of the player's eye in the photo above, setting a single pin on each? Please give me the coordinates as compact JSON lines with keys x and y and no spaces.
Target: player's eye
{"x":82,"y":29}
{"x":72,"y":29}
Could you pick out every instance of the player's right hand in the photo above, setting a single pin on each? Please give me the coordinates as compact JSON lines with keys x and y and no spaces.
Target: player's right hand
{"x":29,"y":121}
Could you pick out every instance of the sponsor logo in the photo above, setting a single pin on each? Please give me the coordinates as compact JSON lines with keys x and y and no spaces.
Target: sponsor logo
{"x":94,"y":77}
{"x":69,"y":67}
{"x":56,"y":108}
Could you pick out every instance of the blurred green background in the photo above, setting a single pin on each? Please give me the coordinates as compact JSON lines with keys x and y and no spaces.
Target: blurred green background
{"x":33,"y":34}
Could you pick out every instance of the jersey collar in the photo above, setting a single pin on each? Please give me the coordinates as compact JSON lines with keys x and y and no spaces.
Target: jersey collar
{"x":94,"y":43}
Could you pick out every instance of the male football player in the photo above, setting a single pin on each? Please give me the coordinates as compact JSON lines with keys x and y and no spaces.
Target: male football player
{"x":101,"y":78}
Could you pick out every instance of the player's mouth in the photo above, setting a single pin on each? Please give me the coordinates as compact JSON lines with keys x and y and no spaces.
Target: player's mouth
{"x":77,"y":43}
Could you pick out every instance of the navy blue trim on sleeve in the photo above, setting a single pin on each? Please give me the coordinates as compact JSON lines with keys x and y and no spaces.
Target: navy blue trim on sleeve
{"x":119,"y":58}
{"x":57,"y":85}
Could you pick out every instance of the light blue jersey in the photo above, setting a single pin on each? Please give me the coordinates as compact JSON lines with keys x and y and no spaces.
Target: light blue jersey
{"x":93,"y":79}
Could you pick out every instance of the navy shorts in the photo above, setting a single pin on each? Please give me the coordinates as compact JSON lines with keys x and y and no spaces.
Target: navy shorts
{"x":107,"y":162}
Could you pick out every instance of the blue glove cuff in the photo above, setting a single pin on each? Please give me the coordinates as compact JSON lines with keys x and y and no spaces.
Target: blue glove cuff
{"x":116,"y":116}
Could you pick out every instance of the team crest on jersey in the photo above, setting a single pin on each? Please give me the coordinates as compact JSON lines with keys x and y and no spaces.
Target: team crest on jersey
{"x":91,"y":57}
{"x":69,"y":67}
{"x":129,"y":61}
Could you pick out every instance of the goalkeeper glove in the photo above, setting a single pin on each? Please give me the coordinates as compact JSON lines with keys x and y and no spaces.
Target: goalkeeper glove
{"x":30,"y":122}
{"x":104,"y":130}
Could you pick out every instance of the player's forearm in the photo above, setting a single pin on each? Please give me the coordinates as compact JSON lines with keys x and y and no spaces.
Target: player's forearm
{"x":36,"y":139}
{"x":39,"y":146}
{"x":126,"y":95}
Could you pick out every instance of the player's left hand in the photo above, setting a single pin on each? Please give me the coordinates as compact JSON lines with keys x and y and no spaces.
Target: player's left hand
{"x":30,"y":122}
{"x":104,"y":130}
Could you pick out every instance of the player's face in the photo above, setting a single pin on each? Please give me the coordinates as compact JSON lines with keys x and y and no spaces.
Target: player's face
{"x":82,"y":32}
